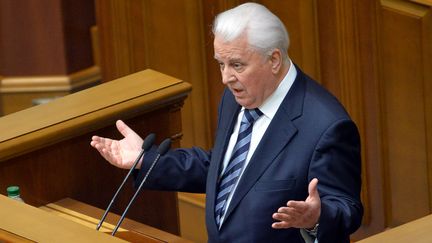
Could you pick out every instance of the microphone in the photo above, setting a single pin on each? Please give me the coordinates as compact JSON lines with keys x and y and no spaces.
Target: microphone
{"x":148,"y":142}
{"x":162,"y":149}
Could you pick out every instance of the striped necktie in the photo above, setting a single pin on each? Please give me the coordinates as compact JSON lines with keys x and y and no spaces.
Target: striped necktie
{"x":228,"y":179}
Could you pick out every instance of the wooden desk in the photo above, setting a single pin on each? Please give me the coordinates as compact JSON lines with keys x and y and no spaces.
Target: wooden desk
{"x":89,"y":216}
{"x":417,"y":231}
{"x":21,"y":222}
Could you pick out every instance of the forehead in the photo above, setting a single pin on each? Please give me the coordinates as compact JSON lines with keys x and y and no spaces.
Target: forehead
{"x":238,"y":48}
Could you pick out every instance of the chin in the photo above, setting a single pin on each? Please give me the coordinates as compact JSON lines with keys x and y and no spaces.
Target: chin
{"x":245,"y":104}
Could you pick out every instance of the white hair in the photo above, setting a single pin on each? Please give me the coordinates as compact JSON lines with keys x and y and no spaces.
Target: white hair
{"x":265,"y":31}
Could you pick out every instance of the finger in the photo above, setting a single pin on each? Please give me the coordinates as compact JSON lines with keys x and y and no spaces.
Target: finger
{"x":281,"y":225}
{"x":289,"y":210}
{"x":101,"y":149}
{"x":95,"y":140}
{"x":104,"y":142}
{"x":292,"y":212}
{"x":292,"y":218}
{"x":286,"y":210}
{"x":283,"y":217}
{"x":108,"y":149}
{"x":299,"y":206}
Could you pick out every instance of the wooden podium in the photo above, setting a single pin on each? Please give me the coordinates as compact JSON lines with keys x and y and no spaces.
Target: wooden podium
{"x":46,"y":149}
{"x":89,"y":216}
{"x":418,"y":231}
{"x":23,"y":223}
{"x":70,"y":221}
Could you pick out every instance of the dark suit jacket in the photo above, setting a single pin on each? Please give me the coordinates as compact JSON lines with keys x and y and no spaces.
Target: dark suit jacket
{"x":311,"y":136}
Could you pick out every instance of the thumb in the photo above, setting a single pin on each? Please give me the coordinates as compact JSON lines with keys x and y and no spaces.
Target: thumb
{"x":313,"y":188}
{"x":123,"y":128}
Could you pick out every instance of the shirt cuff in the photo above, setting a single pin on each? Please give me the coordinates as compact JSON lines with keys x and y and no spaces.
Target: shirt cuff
{"x":306,"y":237}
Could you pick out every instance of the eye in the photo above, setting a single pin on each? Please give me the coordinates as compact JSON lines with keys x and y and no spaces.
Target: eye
{"x":237,"y":66}
{"x":221,"y":65}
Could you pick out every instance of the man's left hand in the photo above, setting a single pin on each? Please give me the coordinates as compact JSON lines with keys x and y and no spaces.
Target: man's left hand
{"x":300,"y":214}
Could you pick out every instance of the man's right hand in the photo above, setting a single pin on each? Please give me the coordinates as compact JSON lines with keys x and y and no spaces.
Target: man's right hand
{"x":121,"y":153}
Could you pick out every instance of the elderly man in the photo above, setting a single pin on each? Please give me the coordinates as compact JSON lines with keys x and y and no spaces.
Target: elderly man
{"x":285,"y":166}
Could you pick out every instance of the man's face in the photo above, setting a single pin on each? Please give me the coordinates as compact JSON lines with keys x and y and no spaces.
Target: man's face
{"x":246,"y":72}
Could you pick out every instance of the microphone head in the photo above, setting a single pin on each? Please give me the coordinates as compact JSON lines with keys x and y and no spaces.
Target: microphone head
{"x":164,"y":146}
{"x":148,"y":141}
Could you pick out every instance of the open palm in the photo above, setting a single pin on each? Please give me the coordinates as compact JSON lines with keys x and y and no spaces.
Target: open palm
{"x":121,"y":153}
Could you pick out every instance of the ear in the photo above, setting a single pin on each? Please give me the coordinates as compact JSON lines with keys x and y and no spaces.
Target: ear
{"x":276,"y":60}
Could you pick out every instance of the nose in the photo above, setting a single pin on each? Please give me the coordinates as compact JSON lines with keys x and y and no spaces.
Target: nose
{"x":227,"y":76}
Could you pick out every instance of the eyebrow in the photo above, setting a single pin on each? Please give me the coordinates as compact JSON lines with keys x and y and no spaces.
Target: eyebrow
{"x":235,"y":60}
{"x":232,"y":60}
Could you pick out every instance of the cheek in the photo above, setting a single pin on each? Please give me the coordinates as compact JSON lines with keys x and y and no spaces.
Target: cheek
{"x":253,"y":86}
{"x":248,"y":82}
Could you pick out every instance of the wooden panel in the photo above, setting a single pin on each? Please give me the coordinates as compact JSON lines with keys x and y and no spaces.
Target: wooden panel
{"x":192,"y":216}
{"x":341,"y":36}
{"x":19,"y":93}
{"x":405,"y":45}
{"x":21,"y":46}
{"x":163,"y":35}
{"x":19,"y":101}
{"x":427,"y":91}
{"x":366,"y":60}
{"x":300,"y":20}
{"x":46,"y":151}
{"x":40,"y":39}
{"x":45,"y":37}
{"x":78,"y":17}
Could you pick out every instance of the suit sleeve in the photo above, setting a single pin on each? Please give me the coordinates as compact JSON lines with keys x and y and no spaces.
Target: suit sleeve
{"x":178,"y":170}
{"x":336,"y":163}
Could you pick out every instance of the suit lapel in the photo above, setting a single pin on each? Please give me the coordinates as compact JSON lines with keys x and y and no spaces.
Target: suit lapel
{"x":278,"y":134}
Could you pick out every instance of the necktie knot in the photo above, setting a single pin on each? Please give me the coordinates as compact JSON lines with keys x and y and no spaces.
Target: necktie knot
{"x":251,"y":115}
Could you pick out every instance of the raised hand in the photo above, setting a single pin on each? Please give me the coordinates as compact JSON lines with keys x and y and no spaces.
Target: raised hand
{"x":121,"y":153}
{"x":300,"y":214}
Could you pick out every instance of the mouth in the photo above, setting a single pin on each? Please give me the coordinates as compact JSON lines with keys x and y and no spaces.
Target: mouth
{"x":236,"y":91}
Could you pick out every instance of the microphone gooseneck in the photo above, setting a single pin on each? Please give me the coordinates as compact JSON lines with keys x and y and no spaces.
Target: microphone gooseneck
{"x":148,"y":142}
{"x":162,"y":149}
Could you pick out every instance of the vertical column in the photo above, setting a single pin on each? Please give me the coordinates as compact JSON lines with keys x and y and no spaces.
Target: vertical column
{"x":45,"y":50}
